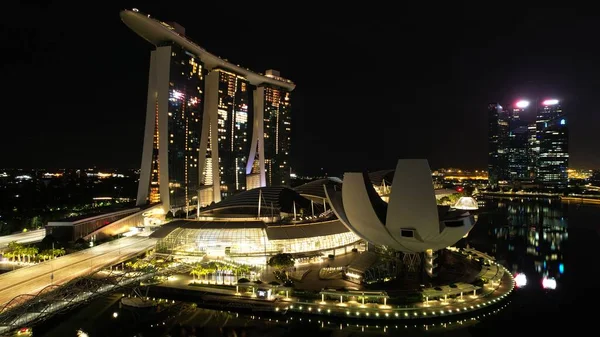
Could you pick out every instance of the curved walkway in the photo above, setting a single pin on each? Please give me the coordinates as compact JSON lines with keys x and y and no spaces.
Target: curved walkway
{"x":438,"y":303}
{"x":492,"y":293}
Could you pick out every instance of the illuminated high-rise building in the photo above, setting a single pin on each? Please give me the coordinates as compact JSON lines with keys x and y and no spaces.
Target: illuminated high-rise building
{"x":518,"y":143}
{"x":552,"y":133}
{"x":497,"y":144}
{"x":212,"y":128}
{"x":277,"y":121}
{"x":533,"y":149}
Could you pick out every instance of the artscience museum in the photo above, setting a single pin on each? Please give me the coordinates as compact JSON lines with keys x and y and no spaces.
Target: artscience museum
{"x":411,"y":222}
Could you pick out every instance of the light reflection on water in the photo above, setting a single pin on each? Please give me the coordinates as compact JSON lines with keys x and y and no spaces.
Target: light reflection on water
{"x":538,"y":239}
{"x":527,"y":237}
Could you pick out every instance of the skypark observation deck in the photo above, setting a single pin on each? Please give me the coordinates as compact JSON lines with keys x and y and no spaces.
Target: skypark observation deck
{"x":158,"y":32}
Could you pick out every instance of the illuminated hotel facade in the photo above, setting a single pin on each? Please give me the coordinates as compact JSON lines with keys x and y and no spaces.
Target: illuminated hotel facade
{"x":212,"y":128}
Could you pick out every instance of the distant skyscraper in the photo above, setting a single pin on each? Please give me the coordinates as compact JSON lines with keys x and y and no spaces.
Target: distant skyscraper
{"x":497,"y":144}
{"x":212,"y":128}
{"x":553,"y":136}
{"x":518,"y":144}
{"x":533,"y":148}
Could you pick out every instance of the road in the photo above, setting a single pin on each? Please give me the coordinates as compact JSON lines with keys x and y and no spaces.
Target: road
{"x":27,"y":237}
{"x":30,"y":280}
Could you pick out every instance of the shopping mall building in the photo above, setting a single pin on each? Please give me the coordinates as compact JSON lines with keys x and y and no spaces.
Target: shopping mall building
{"x":251,"y":226}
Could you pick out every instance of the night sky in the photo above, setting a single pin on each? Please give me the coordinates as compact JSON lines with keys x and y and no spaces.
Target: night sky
{"x":372,"y":87}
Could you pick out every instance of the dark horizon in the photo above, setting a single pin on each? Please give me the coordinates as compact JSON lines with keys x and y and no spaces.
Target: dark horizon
{"x":77,"y":84}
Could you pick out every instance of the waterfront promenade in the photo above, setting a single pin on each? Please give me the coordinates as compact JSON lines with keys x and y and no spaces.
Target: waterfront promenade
{"x":437,"y":302}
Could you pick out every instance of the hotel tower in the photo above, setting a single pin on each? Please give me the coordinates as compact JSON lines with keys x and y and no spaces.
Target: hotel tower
{"x":212,"y":128}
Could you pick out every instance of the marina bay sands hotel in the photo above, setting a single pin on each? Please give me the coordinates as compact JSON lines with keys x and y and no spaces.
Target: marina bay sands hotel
{"x":212,"y":128}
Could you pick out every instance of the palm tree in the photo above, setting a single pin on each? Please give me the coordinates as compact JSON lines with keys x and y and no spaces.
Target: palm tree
{"x":31,"y":252}
{"x":58,"y":252}
{"x":200,"y":270}
{"x":10,"y":255}
{"x":213,"y":268}
{"x":197,"y":270}
{"x":16,"y":249}
{"x":241,"y":269}
{"x":45,"y":254}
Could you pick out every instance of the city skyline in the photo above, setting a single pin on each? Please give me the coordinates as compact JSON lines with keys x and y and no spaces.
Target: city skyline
{"x":526,"y":151}
{"x":335,"y":88}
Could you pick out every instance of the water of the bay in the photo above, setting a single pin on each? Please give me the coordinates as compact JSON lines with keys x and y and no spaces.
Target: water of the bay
{"x":537,"y":238}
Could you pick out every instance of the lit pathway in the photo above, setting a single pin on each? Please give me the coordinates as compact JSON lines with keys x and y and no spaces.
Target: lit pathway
{"x":500,"y":284}
{"x":488,"y":295}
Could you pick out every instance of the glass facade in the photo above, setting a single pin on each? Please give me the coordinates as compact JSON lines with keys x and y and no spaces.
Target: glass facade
{"x":553,"y":160}
{"x":233,"y":137}
{"x":518,"y":147}
{"x":497,"y":144}
{"x":185,"y":110}
{"x":277,"y":136}
{"x":518,"y":155}
{"x":245,"y":242}
{"x":553,"y":136}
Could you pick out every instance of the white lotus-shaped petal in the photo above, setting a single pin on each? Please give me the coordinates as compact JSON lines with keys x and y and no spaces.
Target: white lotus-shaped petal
{"x":411,"y":222}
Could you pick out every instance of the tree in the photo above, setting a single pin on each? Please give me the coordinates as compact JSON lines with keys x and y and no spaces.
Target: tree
{"x":58,"y":252}
{"x":45,"y":254}
{"x":281,"y":261}
{"x":30,"y":252}
{"x":444,"y":201}
{"x":216,"y":267}
{"x":139,"y":264}
{"x":199,"y":270}
{"x":454,"y":197}
{"x":36,"y":222}
{"x":15,"y":249}
{"x":241,"y":269}
{"x":4,"y":228}
{"x":9,"y":255}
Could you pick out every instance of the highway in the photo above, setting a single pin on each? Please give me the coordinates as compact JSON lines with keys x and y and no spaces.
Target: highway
{"x":32,"y":279}
{"x":27,"y":237}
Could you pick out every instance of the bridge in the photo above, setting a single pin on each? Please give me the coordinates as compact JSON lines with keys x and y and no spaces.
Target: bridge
{"x":25,"y":237}
{"x":32,"y":279}
{"x":29,"y":309}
